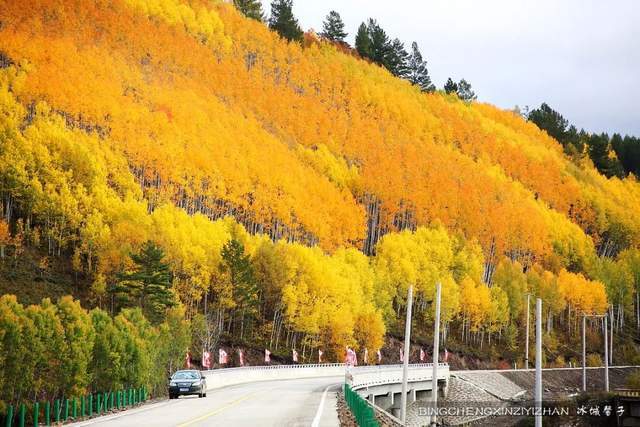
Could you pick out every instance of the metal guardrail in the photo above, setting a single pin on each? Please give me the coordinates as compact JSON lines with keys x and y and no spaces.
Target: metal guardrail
{"x":364,"y":413}
{"x":63,"y":410}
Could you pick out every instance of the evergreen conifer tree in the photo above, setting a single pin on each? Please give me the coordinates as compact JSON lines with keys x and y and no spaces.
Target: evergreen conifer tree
{"x":333,"y":28}
{"x":451,"y":86}
{"x":149,"y":282}
{"x":417,"y":70}
{"x":380,"y":45}
{"x":250,"y":8}
{"x":546,"y":118}
{"x":363,"y":42}
{"x":283,"y":21}
{"x":397,"y":59}
{"x":465,"y":92}
{"x":239,"y":269}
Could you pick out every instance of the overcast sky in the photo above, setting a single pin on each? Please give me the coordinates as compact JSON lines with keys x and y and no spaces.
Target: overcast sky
{"x":580,"y":56}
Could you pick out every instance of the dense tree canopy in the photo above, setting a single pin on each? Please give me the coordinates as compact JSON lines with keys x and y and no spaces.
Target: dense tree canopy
{"x":612,"y":156}
{"x":335,"y":184}
{"x":61,"y":351}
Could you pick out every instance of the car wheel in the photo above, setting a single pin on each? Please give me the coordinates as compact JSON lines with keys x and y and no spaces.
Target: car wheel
{"x":200,"y":395}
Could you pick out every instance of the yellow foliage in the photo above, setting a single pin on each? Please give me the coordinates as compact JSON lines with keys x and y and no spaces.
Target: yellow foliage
{"x":584,"y":295}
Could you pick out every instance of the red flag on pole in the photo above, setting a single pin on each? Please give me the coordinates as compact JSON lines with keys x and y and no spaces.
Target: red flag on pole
{"x":379,"y":357}
{"x":295,"y":356}
{"x":366,"y":357}
{"x":422,"y":355}
{"x":187,"y":360}
{"x":319,"y":356}
{"x":206,"y":359}
{"x":241,"y":356}
{"x":267,"y":356}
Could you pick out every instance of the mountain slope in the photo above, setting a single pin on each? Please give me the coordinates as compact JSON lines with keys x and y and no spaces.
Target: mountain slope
{"x":219,"y":115}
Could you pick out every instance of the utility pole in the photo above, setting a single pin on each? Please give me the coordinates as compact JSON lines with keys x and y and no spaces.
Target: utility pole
{"x":405,"y":361}
{"x":584,"y":352}
{"x":611,"y":339}
{"x":526,"y":348}
{"x":606,"y":357}
{"x":436,"y":353}
{"x":538,"y":389}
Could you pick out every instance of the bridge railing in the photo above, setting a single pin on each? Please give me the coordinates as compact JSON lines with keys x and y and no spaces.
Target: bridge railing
{"x":230,"y":376}
{"x":278,"y":367}
{"x":369,"y":376}
{"x":356,"y":377}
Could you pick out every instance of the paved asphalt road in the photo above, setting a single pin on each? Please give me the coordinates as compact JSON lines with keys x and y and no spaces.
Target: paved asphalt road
{"x":286,"y":403}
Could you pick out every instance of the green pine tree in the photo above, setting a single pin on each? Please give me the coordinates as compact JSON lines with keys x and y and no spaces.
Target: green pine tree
{"x":603,"y":158}
{"x":451,"y":86}
{"x":333,"y":28}
{"x":283,"y":21}
{"x":250,"y":8}
{"x":237,"y":265}
{"x":397,"y":59}
{"x":148,"y":284}
{"x":465,"y":92}
{"x":551,"y":121}
{"x":363,"y":42}
{"x":417,"y":70}
{"x":381,"y":49}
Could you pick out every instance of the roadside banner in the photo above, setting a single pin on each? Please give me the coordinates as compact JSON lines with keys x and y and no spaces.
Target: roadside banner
{"x":222,"y":357}
{"x":241,"y":356}
{"x":319,"y":356}
{"x":351,"y":358}
{"x":187,"y":360}
{"x":365,"y":359}
{"x":267,"y":356}
{"x":401,"y":356}
{"x":379,"y":357}
{"x":446,"y":355}
{"x":422,"y":355}
{"x":295,"y":356}
{"x":206,"y":359}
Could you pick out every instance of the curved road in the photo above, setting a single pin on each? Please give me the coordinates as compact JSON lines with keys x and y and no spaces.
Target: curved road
{"x":304,"y":402}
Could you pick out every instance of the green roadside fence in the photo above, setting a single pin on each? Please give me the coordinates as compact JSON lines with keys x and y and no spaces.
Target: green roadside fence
{"x":361,"y":410}
{"x":69,"y":409}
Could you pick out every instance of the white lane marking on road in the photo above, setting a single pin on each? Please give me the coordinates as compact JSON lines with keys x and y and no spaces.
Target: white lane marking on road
{"x":316,"y":419}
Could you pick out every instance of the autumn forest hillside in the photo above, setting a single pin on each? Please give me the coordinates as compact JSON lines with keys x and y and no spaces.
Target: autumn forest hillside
{"x":292,"y":192}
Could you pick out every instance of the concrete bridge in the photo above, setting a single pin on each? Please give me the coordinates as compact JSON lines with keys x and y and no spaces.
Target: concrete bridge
{"x":382,"y":385}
